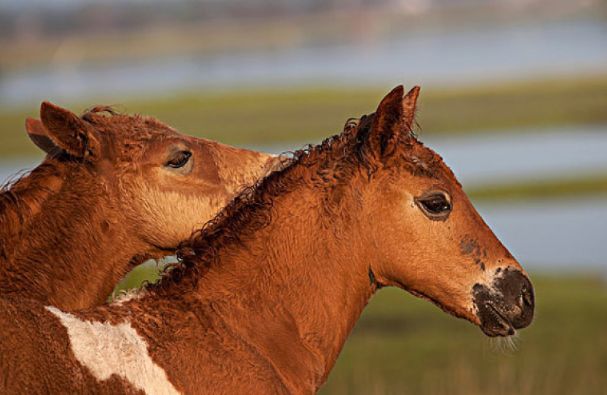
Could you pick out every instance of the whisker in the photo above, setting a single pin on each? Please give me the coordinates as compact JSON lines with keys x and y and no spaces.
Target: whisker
{"x":505,"y":345}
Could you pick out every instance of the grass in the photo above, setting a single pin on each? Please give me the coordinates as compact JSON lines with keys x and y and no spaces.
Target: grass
{"x":404,"y":345}
{"x":270,"y":116}
{"x":584,"y":185}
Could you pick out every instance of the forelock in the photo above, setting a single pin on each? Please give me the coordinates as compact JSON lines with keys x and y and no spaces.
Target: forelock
{"x":129,"y":134}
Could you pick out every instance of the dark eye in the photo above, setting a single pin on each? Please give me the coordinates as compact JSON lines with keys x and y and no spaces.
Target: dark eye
{"x":179,"y":160}
{"x":435,"y":205}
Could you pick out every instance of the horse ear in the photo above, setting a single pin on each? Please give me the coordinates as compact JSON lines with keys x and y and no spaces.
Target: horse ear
{"x":409,"y":107}
{"x":395,"y":115}
{"x":68,"y":132}
{"x":386,"y":124}
{"x":39,"y":136}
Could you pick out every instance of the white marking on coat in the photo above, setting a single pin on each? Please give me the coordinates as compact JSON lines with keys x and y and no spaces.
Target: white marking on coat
{"x":107,"y":349}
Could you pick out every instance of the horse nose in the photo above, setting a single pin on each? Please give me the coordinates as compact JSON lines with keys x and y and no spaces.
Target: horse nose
{"x":518,"y":298}
{"x":506,"y":304}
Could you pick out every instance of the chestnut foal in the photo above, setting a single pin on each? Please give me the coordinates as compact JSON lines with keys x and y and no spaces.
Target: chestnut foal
{"x":112,"y":191}
{"x":265,"y":296}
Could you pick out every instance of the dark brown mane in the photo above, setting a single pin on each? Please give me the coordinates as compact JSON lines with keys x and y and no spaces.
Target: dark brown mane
{"x":246,"y":213}
{"x":335,"y":160}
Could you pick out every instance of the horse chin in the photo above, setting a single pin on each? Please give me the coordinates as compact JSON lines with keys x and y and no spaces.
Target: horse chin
{"x":493,"y":319}
{"x":493,"y":323}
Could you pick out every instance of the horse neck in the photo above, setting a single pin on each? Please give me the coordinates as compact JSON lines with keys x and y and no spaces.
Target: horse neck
{"x":23,"y":200}
{"x":76,"y":240}
{"x":296,"y":287}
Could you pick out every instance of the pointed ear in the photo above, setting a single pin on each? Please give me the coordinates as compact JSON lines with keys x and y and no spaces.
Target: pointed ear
{"x":39,"y":136}
{"x":68,"y":132}
{"x":409,"y":107}
{"x":386,"y":124}
{"x":394,"y":117}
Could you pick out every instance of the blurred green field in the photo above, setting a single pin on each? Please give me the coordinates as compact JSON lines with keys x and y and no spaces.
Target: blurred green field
{"x":404,"y":345}
{"x":305,"y":115}
{"x":553,"y":188}
{"x":263,"y":118}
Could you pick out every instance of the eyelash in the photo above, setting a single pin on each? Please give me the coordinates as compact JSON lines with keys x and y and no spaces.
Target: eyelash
{"x":435,"y":206}
{"x":180,"y":160}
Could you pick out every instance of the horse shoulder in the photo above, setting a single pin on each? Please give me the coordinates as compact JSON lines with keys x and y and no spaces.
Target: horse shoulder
{"x":109,"y":349}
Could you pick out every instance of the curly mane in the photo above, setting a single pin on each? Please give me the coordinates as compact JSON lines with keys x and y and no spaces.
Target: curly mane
{"x":247,"y":212}
{"x":333,"y":161}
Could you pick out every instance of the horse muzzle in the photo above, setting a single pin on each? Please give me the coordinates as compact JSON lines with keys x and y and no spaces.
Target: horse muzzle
{"x":506,"y":305}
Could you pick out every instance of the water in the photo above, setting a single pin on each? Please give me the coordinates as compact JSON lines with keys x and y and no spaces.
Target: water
{"x":527,"y":155}
{"x":523,"y":155}
{"x":543,"y":235}
{"x":568,"y":235}
{"x":486,"y":158}
{"x":427,"y":58}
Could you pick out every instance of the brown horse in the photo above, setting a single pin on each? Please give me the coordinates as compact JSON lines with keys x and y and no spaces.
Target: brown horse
{"x":265,"y":297}
{"x":112,"y":191}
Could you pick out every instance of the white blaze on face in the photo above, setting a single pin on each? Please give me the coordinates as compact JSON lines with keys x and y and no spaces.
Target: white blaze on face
{"x":107,"y":349}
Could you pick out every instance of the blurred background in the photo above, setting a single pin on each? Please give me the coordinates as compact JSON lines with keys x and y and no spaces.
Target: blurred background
{"x":514,"y":97}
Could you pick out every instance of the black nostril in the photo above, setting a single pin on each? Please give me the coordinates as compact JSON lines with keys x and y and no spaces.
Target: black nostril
{"x":527,"y":293}
{"x":516,"y":297}
{"x":527,"y":304}
{"x":527,"y":296}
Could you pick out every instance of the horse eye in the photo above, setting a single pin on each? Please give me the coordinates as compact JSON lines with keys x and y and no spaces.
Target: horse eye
{"x":179,"y":160}
{"x":435,"y":205}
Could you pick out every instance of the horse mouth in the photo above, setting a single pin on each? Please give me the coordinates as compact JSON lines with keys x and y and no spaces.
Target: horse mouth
{"x":493,"y":323}
{"x":492,"y":313}
{"x":505,"y":306}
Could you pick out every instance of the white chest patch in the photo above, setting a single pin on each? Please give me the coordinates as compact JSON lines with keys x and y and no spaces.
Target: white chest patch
{"x":107,"y":349}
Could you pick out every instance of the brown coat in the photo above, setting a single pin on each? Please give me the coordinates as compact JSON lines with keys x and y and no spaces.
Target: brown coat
{"x":266,"y":295}
{"x":109,"y":195}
